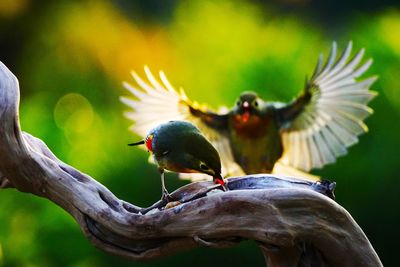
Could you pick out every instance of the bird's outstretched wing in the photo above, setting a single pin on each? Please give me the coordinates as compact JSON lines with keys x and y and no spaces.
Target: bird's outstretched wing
{"x":156,"y":101}
{"x":328,"y":116}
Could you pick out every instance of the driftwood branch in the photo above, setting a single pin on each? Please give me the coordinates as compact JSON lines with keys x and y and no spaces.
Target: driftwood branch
{"x":295,"y":223}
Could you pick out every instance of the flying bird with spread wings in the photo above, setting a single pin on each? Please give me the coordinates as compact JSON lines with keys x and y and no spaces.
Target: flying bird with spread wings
{"x":258,"y":136}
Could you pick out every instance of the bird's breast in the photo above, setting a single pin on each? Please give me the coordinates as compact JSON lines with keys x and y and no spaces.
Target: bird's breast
{"x":173,"y":162}
{"x":252,"y":126}
{"x":256,"y":144}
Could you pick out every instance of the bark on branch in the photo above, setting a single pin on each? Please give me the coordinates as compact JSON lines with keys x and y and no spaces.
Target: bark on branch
{"x":283,"y":215}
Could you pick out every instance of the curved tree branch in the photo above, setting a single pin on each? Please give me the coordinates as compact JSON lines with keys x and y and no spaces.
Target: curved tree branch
{"x":283,"y":215}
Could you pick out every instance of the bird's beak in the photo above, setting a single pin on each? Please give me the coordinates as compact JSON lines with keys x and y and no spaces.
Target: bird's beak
{"x":219,"y":180}
{"x":246,"y":109}
{"x":137,"y":143}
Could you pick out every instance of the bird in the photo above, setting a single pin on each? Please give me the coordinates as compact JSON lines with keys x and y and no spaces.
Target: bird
{"x":258,"y":136}
{"x":179,"y":146}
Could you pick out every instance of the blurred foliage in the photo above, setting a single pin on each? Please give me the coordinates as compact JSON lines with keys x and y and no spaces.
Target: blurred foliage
{"x":71,"y":57}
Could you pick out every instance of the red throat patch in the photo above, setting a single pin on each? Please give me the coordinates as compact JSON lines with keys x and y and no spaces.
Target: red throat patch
{"x":245,"y":116}
{"x":149,"y":143}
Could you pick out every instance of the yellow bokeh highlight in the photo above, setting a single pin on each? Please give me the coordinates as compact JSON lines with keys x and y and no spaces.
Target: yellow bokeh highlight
{"x":12,"y":8}
{"x":86,"y":151}
{"x":73,"y":113}
{"x":22,"y":231}
{"x":205,"y":39}
{"x":218,"y":39}
{"x":98,"y":30}
{"x":237,"y":31}
{"x":389,"y":27}
{"x":84,"y":131}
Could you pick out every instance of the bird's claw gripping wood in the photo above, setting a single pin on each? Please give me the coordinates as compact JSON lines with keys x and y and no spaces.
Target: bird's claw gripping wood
{"x":195,"y":191}
{"x":166,"y":197}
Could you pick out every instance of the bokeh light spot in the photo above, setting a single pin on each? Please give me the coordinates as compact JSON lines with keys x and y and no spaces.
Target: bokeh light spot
{"x":73,"y":113}
{"x":22,"y":230}
{"x":389,"y":22}
{"x":11,"y":8}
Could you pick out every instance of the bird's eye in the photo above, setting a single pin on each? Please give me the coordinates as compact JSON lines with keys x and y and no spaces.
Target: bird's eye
{"x":256,"y":103}
{"x":204,"y":167}
{"x":238,"y":103}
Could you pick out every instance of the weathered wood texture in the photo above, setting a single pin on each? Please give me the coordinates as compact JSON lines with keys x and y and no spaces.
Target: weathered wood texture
{"x":293,"y":221}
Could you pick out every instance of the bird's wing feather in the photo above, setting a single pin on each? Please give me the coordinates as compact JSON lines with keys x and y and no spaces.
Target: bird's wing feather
{"x":327,"y":118}
{"x":285,"y":170}
{"x":156,"y":101}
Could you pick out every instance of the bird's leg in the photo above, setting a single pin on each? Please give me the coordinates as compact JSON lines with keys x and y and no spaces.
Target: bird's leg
{"x":164,"y":192}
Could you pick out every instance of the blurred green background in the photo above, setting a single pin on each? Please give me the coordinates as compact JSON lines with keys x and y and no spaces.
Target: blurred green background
{"x":72,"y":56}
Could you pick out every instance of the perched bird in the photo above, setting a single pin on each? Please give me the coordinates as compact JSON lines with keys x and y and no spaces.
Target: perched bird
{"x":179,"y":146}
{"x":258,"y":136}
